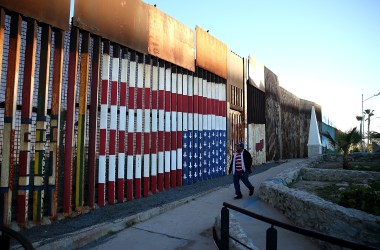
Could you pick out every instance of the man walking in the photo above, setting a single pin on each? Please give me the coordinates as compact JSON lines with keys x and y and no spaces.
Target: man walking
{"x":240,"y":167}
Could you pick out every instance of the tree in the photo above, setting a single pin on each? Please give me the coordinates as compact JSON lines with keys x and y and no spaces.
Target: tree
{"x":343,"y":141}
{"x":369,"y":113}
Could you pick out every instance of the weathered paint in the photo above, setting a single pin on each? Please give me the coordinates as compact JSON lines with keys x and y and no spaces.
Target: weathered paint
{"x":154,"y":134}
{"x":161,"y":125}
{"x":147,"y":124}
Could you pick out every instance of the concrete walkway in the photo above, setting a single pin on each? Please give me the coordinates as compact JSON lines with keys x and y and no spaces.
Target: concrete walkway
{"x":190,"y":226}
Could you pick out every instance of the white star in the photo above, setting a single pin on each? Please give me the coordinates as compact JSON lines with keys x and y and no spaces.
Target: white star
{"x":190,"y":165}
{"x":185,"y":145}
{"x":185,"y":136}
{"x":195,"y":134}
{"x":195,"y":155}
{"x":195,"y":174}
{"x":190,"y":175}
{"x":184,"y":177}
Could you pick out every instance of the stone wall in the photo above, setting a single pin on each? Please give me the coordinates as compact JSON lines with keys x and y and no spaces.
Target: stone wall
{"x":314,"y":213}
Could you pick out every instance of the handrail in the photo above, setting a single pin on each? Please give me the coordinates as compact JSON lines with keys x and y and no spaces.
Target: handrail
{"x":313,"y":234}
{"x":6,"y":232}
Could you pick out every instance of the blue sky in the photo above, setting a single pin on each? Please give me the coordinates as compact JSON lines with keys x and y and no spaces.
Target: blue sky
{"x":325,"y":51}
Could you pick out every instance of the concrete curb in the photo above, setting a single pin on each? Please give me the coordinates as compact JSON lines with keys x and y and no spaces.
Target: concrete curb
{"x":87,"y":235}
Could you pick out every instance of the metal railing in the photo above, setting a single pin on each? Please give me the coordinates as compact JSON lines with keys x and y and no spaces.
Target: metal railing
{"x":271,"y":236}
{"x":7,"y":234}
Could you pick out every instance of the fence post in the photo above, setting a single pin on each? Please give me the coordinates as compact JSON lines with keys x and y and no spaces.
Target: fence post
{"x":225,"y":228}
{"x":271,"y":243}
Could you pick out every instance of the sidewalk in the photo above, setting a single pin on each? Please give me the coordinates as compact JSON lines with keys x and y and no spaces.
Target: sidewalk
{"x":190,"y":226}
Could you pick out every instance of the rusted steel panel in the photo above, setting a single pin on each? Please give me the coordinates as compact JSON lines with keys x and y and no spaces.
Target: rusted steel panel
{"x":56,"y":13}
{"x":256,"y":73}
{"x":170,"y":39}
{"x":211,"y":53}
{"x":235,"y":70}
{"x":122,"y":21}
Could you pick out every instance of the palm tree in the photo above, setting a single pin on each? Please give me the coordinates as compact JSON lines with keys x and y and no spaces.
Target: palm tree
{"x":369,"y":113}
{"x":343,"y":141}
{"x":361,"y":119}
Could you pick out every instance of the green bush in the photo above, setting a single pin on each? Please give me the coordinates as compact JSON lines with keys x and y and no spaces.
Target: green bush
{"x":361,"y":198}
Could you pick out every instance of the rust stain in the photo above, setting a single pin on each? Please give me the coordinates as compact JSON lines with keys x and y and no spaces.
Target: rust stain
{"x":54,"y":13}
{"x":211,"y":53}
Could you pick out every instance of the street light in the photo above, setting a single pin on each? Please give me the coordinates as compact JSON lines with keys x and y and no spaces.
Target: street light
{"x":362,"y":123}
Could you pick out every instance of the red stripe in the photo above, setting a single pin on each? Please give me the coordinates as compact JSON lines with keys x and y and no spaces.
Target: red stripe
{"x":112,"y":142}
{"x":113,"y":93}
{"x":123,"y":94}
{"x":180,"y":102}
{"x":167,"y":141}
{"x":121,"y":141}
{"x":200,"y":107}
{"x":23,"y":162}
{"x":154,"y":140}
{"x":192,"y":101}
{"x":147,"y":98}
{"x":146,"y":143}
{"x":160,"y":182}
{"x":153,"y":181}
{"x":120,"y":190}
{"x":174,"y":140}
{"x":161,"y":94}
{"x":131,"y":97}
{"x":179,"y":139}
{"x":104,"y":97}
{"x":139,"y":98}
{"x":154,"y":99}
{"x":167,"y":100}
{"x":224,"y":108}
{"x":111,"y":192}
{"x":102,"y":144}
{"x":21,"y":209}
{"x":137,"y":188}
{"x":129,"y":184}
{"x":130,"y":144}
{"x":161,"y":141}
{"x":167,"y":180}
{"x":185,"y":103}
{"x":174,"y":102}
{"x":179,"y":177}
{"x":209,"y":106}
{"x":173,"y":178}
{"x":146,"y":187}
{"x":101,"y":200}
{"x":138,"y":143}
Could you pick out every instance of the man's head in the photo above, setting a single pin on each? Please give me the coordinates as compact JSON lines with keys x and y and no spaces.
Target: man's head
{"x":239,"y":146}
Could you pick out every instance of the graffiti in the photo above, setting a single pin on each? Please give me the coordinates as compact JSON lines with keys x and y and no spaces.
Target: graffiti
{"x":259,"y":146}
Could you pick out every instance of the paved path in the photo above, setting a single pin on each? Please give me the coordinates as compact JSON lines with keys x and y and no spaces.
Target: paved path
{"x":190,"y":225}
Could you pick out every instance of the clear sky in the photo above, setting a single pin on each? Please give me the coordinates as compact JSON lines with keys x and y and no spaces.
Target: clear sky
{"x":325,"y":51}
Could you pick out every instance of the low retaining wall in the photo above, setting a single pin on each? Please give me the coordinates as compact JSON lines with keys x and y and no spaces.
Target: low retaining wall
{"x":312,"y":212}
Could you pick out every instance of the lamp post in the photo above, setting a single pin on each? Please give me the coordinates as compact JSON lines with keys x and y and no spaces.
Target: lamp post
{"x":362,"y":123}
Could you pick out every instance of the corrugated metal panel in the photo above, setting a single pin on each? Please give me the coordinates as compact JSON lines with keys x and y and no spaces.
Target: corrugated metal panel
{"x":55,"y":14}
{"x":170,"y":40}
{"x":256,"y":73}
{"x":122,"y":21}
{"x":211,"y":53}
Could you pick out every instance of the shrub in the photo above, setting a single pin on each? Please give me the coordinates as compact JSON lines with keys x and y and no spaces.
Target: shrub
{"x":361,"y":198}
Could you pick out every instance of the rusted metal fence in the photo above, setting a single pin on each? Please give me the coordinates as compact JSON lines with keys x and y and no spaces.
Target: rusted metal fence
{"x":90,"y":115}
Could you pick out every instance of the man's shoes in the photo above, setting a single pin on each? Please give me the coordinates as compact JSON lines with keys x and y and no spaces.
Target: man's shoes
{"x":237,"y":197}
{"x":251,"y":192}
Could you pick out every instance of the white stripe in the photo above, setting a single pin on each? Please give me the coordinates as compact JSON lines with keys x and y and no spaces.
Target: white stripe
{"x":154,"y":165}
{"x":167,"y":83}
{"x":161,"y":78}
{"x":179,"y":153}
{"x":185,"y":122}
{"x":121,"y":162}
{"x":154,"y":120}
{"x":139,"y":121}
{"x":131,"y":120}
{"x":174,"y":83}
{"x":167,"y":121}
{"x":147,"y":76}
{"x":105,"y":67}
{"x":112,"y":168}
{"x":161,"y":120}
{"x":140,"y":75}
{"x":160,"y":162}
{"x":113,"y":118}
{"x":132,"y":74}
{"x":147,"y":121}
{"x":179,"y":121}
{"x":103,"y":116}
{"x":123,"y":118}
{"x":155,"y":78}
{"x":174,"y":121}
{"x":174,"y":160}
{"x":146,"y":165}
{"x":186,"y":79}
{"x":190,"y":121}
{"x":130,"y":167}
{"x":167,"y":161}
{"x":138,"y":167}
{"x":115,"y":69}
{"x":123,"y":73}
{"x":196,"y":121}
{"x":102,"y":169}
{"x":180,"y":82}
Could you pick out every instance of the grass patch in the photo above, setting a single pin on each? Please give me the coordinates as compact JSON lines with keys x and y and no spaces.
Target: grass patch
{"x":365,"y":166}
